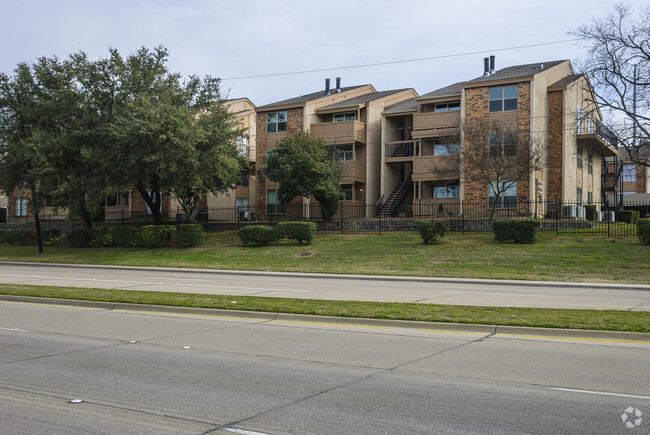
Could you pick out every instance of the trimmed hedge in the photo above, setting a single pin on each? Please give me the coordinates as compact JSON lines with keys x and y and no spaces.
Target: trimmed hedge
{"x":300,"y":231}
{"x":258,"y":235}
{"x":13,"y":237}
{"x":89,"y":237}
{"x":126,"y":236}
{"x":643,"y":230}
{"x":627,"y":216}
{"x":155,"y":236}
{"x":188,"y":235}
{"x":430,"y":231}
{"x":590,"y":212}
{"x":519,"y":231}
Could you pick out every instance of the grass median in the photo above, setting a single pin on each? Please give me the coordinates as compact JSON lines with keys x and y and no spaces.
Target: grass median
{"x":602,"y":320}
{"x":565,"y":258}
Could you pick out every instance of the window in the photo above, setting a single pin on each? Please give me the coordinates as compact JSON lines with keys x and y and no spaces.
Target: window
{"x":579,"y":195}
{"x":243,"y":181}
{"x":447,"y":107}
{"x":243,"y":150}
{"x":590,"y":163}
{"x":272,"y":204}
{"x":503,"y":144}
{"x":276,"y":122}
{"x":629,"y":173}
{"x":579,"y":154}
{"x":503,"y":98}
{"x":242,"y":140}
{"x":450,"y":191}
{"x":579,"y":120}
{"x":590,"y":198}
{"x":443,"y":150}
{"x":345,"y":155}
{"x":346,"y":194}
{"x":118,"y":199}
{"x":340,"y":117}
{"x":20,"y":207}
{"x":508,"y":196}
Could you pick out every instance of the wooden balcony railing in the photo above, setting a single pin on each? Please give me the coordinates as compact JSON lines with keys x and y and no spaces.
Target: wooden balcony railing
{"x":345,"y":132}
{"x":430,"y":168}
{"x":435,"y":124}
{"x":353,"y":171}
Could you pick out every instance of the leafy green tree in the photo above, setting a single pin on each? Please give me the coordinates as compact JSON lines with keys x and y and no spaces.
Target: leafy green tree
{"x":304,"y":166}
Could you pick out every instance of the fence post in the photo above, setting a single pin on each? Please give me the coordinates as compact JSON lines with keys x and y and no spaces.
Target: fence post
{"x":237,"y":213}
{"x":557,"y":218}
{"x":341,"y":216}
{"x":462,"y":216}
{"x":608,"y":220}
{"x":122,"y":217}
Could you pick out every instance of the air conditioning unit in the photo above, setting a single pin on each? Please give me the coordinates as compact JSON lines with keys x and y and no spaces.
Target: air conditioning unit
{"x":569,"y":211}
{"x":599,"y":216}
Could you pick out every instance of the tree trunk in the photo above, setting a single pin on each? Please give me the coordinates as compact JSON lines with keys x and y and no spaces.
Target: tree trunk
{"x":153,"y":201}
{"x":195,"y":210}
{"x":39,"y":235}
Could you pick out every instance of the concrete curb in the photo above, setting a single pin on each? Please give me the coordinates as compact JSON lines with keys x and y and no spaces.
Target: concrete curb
{"x":307,"y":318}
{"x":495,"y":282}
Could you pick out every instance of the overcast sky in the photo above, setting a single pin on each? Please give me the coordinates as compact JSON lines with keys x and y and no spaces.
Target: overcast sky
{"x":234,"y":39}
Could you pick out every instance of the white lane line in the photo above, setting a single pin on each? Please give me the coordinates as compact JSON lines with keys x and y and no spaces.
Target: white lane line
{"x":245,"y":432}
{"x":602,"y":393}
{"x":14,"y":329}
{"x":116,"y":281}
{"x":487,"y":292}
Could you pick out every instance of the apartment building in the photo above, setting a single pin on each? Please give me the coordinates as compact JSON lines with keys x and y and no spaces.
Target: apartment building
{"x":347,"y":118}
{"x":545,"y":102}
{"x":625,"y":181}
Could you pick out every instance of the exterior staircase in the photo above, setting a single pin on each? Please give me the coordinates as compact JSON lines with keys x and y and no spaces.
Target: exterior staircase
{"x":389,"y":207}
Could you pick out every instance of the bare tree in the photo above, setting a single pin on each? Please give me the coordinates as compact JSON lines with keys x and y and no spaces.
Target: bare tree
{"x":494,"y":155}
{"x":618,"y":65}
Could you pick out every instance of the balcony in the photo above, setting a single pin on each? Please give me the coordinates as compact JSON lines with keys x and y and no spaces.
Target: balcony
{"x":598,"y":135}
{"x":344,"y":132}
{"x":401,"y":151}
{"x":353,"y":171}
{"x":432,"y":168}
{"x":435,"y":124}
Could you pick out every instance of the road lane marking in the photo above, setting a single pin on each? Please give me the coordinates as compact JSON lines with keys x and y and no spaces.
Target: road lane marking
{"x":602,"y":393}
{"x":14,"y":329}
{"x":501,"y":334}
{"x":245,"y":432}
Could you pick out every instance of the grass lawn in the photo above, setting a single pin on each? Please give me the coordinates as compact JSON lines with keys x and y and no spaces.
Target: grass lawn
{"x":566,"y":258}
{"x":604,"y":320}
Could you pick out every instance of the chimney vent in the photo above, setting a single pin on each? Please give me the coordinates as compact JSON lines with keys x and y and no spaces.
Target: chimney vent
{"x":338,"y":84}
{"x":491,"y":64}
{"x":327,"y":87}
{"x":486,"y":66}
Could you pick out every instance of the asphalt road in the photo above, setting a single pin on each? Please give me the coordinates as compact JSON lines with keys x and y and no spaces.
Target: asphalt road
{"x":311,"y":286}
{"x":136,"y":372}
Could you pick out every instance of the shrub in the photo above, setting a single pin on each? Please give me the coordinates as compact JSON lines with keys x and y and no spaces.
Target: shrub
{"x":520,"y":231}
{"x":126,"y":236}
{"x":300,"y":231}
{"x":155,"y":236}
{"x":13,"y":237}
{"x":258,"y":235}
{"x":503,"y":230}
{"x":430,"y":231}
{"x":46,"y":235}
{"x":627,"y":216}
{"x":590,"y":212}
{"x":643,"y":230}
{"x":89,"y":237}
{"x":188,"y":235}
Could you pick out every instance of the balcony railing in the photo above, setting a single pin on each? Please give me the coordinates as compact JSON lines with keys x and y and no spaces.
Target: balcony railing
{"x":598,"y":135}
{"x":435,"y":124}
{"x":400,"y":150}
{"x":244,"y":150}
{"x":429,"y":168}
{"x":344,"y":132}
{"x":352,"y":171}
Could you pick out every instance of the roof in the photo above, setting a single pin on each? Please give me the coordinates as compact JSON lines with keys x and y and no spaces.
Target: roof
{"x":365,"y":98}
{"x":513,"y":72}
{"x":564,"y":81}
{"x":454,"y":89}
{"x":304,"y":98}
{"x":403,"y":106}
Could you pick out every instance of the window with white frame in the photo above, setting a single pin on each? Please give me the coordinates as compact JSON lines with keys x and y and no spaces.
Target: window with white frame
{"x":503,"y":98}
{"x":345,"y":155}
{"x":446,"y":149}
{"x":447,"y":107}
{"x":503,"y":144}
{"x":579,"y":158}
{"x":348,"y":116}
{"x":20,"y":207}
{"x":629,"y":172}
{"x":446,"y":191}
{"x":276,"y":122}
{"x":346,"y":194}
{"x":508,"y":195}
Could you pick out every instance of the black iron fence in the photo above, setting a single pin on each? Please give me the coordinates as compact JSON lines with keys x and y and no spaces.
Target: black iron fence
{"x":464,"y":217}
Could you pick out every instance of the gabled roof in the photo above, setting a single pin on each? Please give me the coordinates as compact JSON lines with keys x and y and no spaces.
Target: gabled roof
{"x":362,"y":99}
{"x":513,"y":72}
{"x":403,"y":106}
{"x":454,"y":89}
{"x":304,"y":98}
